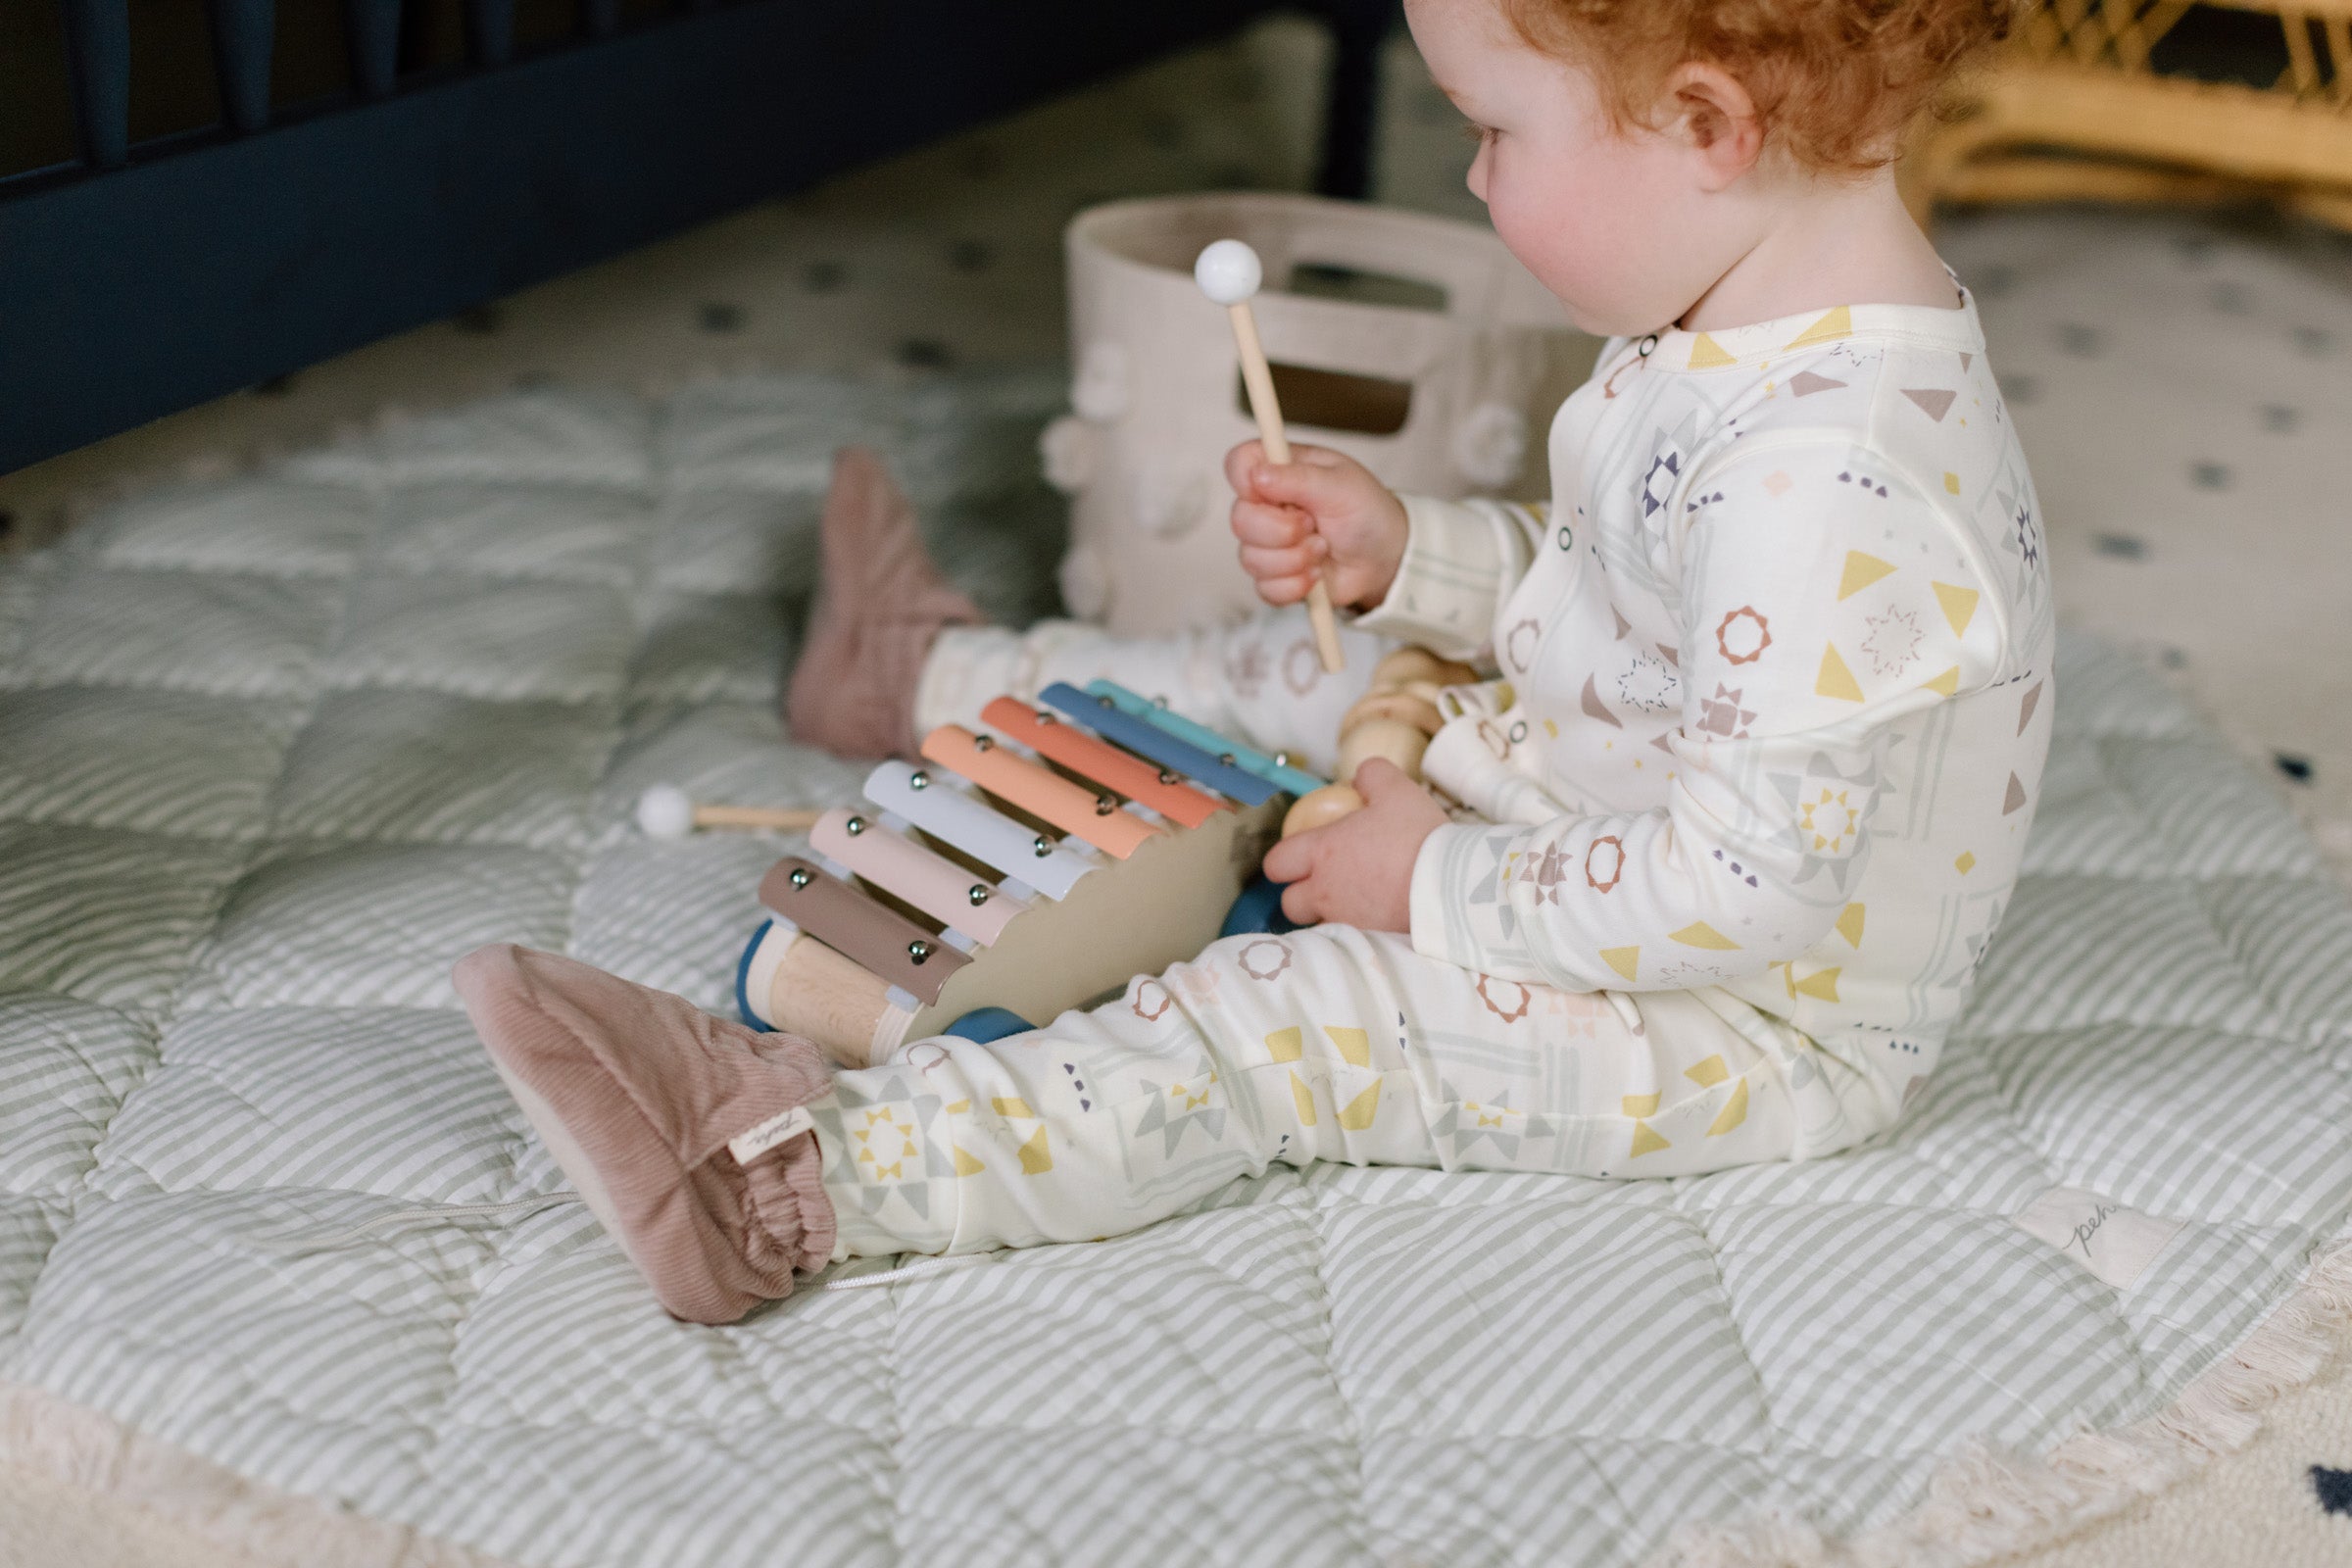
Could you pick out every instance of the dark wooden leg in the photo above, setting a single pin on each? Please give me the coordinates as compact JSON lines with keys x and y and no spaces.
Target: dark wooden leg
{"x":489,"y":32}
{"x":416,"y":37}
{"x":374,"y":28}
{"x":244,"y":36}
{"x":1359,"y":27}
{"x":98,"y":34}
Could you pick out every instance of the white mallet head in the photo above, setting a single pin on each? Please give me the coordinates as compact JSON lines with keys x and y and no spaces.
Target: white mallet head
{"x":665,"y":811}
{"x":1228,"y":271}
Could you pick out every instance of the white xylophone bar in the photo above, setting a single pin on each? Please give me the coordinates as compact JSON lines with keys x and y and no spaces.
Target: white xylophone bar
{"x":948,"y":813}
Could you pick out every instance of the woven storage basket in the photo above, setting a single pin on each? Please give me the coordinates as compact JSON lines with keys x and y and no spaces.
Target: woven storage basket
{"x":1414,"y":344}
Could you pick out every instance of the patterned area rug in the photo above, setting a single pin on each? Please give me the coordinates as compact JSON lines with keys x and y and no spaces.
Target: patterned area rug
{"x":274,"y":751}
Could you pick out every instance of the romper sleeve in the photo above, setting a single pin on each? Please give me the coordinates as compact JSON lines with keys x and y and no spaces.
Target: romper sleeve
{"x":1462,"y":560}
{"x":1824,"y":598}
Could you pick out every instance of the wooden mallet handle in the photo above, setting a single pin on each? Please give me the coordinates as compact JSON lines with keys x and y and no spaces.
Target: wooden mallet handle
{"x":1223,"y":274}
{"x":666,"y":812}
{"x":779,"y":819}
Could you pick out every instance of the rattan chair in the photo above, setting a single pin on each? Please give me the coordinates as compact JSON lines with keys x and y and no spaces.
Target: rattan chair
{"x":2078,"y":106}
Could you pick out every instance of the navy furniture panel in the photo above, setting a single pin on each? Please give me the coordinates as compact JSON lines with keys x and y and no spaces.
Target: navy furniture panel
{"x":146,"y":281}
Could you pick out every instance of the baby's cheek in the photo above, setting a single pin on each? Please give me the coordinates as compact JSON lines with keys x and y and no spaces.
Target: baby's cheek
{"x":1580,"y":241}
{"x":1561,"y":254}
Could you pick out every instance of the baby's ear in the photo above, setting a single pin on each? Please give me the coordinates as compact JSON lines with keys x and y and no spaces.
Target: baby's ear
{"x":1717,"y":119}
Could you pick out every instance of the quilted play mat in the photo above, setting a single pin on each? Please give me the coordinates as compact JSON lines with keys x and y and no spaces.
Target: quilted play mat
{"x":278,"y":1255}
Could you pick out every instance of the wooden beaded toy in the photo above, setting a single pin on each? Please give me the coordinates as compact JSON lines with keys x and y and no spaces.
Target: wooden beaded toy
{"x":1394,"y":719}
{"x":1022,"y":873}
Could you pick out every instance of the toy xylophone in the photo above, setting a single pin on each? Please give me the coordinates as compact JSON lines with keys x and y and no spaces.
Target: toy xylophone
{"x":1021,"y":871}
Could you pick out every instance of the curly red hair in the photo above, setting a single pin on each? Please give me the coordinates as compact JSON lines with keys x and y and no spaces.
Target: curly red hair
{"x":1835,"y":80}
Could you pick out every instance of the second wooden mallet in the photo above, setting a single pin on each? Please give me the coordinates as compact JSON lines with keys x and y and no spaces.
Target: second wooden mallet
{"x":666,"y":812}
{"x":1229,"y":272}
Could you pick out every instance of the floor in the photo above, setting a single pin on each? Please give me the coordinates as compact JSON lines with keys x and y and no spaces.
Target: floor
{"x":2183,"y":383}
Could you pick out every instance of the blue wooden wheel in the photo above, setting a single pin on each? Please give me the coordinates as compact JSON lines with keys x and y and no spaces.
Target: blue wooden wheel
{"x":743,"y":979}
{"x":1258,"y":911}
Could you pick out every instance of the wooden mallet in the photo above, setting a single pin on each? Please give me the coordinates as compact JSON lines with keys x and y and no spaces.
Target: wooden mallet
{"x":666,"y":812}
{"x":1229,"y":272}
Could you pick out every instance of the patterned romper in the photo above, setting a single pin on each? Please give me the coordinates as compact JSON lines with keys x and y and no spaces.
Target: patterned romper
{"x":1749,"y":791}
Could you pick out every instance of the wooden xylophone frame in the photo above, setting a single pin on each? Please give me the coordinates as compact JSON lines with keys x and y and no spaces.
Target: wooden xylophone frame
{"x":1021,"y":871}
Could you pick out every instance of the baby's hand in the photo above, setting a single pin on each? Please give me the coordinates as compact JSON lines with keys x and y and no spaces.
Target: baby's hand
{"x":1359,"y":871}
{"x":1319,"y":514}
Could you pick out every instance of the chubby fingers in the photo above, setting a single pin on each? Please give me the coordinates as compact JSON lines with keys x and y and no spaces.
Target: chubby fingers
{"x":1279,"y":590}
{"x":1310,"y":486}
{"x":1293,"y":858}
{"x":1302,"y":560}
{"x":1271,"y":527}
{"x":1280,"y":550}
{"x":1240,"y":462}
{"x":1279,"y":593}
{"x":1293,"y":862}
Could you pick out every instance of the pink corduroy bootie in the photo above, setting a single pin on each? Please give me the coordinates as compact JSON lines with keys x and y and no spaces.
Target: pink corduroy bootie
{"x":880,"y":603}
{"x":678,"y":1128}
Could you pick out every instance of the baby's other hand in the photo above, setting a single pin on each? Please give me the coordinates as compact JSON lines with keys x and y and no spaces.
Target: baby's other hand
{"x":1359,"y":871}
{"x":1321,"y":513}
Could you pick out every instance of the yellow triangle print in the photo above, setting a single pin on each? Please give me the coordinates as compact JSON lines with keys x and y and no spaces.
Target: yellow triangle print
{"x":1833,"y":325}
{"x":1966,"y":863}
{"x":965,"y":1164}
{"x":1835,"y":679}
{"x":1353,"y":1043}
{"x":1732,"y":1114}
{"x":1708,"y":1073}
{"x":1625,"y":961}
{"x":1304,"y":1098}
{"x":1707,"y":355}
{"x":1861,"y":570}
{"x":1821,"y":984}
{"x":1700,"y":933}
{"x":1951,"y":480}
{"x":958,"y":1108}
{"x":1362,"y":1110}
{"x":1036,"y":1157}
{"x":1640,"y":1105}
{"x":1948,"y":683}
{"x":1850,"y":925}
{"x":1014,"y":1106}
{"x":1287,"y":1044}
{"x":1959,"y":606}
{"x":1647,"y":1140}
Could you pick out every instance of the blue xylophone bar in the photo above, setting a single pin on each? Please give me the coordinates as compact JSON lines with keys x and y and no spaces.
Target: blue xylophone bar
{"x":1281,"y":775}
{"x":1103,"y":716}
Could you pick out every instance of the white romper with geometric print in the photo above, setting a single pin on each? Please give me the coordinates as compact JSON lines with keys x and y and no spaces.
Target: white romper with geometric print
{"x":1745,"y":802}
{"x":1776,"y":681}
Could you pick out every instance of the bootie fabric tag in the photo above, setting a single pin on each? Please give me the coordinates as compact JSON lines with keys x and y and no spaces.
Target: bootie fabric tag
{"x":751,"y":1144}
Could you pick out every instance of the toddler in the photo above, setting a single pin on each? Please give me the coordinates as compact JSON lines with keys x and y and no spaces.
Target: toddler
{"x":1744,"y":803}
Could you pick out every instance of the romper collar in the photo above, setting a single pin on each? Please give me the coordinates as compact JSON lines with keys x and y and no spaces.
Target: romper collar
{"x":1922,"y":326}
